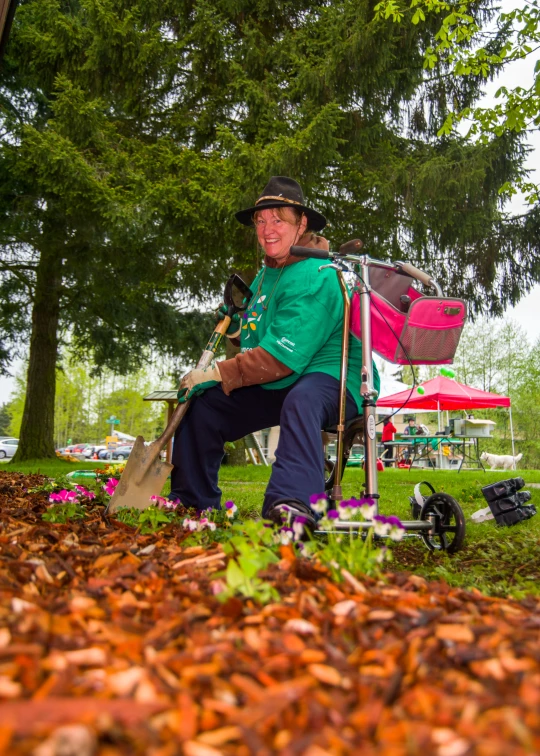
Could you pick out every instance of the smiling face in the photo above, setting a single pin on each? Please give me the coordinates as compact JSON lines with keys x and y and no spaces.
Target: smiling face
{"x":278,"y":231}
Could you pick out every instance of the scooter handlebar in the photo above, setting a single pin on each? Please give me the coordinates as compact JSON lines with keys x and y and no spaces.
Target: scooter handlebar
{"x":318,"y":254}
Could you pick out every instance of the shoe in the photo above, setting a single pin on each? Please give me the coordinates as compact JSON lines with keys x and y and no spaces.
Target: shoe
{"x":502,"y":488}
{"x":509,"y":511}
{"x":287,"y":512}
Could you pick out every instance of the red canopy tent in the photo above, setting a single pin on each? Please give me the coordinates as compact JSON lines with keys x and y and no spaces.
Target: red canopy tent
{"x":442,"y":393}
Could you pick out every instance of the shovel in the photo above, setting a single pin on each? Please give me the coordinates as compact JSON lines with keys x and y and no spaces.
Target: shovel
{"x":145,"y":473}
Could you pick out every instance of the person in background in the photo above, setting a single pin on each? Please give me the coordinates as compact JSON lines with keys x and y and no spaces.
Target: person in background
{"x":388,"y":435}
{"x":410,"y":430}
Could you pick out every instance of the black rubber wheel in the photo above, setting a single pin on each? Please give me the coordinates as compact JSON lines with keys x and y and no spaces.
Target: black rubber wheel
{"x":329,"y":473}
{"x":120,"y":456}
{"x":448,"y":521}
{"x":2,"y":454}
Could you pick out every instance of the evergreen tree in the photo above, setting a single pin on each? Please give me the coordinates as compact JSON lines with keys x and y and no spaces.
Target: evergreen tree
{"x":135,"y":129}
{"x":5,"y":420}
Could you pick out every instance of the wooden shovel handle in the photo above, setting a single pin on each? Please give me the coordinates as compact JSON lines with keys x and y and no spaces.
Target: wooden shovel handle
{"x":206,"y":358}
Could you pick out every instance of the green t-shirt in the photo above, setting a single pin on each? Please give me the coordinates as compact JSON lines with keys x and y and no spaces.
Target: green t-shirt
{"x":302,"y":324}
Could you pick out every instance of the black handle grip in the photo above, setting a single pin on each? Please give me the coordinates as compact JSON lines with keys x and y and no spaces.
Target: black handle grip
{"x":351,"y":247}
{"x":319,"y":254}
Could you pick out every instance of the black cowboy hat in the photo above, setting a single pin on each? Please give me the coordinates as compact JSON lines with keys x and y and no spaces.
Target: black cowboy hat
{"x":281,"y":191}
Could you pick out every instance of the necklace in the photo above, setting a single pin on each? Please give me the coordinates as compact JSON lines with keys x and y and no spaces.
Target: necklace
{"x":259,"y":289}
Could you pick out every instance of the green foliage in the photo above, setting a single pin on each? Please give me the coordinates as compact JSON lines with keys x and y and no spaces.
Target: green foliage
{"x":250,"y":550}
{"x":460,"y":45}
{"x":152,"y":519}
{"x":497,"y":356}
{"x":148,"y":520}
{"x":128,"y":516}
{"x":62,"y":513}
{"x":83,"y":402}
{"x":5,"y":420}
{"x":357,"y":555}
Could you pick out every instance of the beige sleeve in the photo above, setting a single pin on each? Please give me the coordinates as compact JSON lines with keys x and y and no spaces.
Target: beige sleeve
{"x":251,"y":369}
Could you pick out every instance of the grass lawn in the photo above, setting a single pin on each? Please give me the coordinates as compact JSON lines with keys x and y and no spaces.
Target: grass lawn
{"x":496,"y":560}
{"x":53,"y":468}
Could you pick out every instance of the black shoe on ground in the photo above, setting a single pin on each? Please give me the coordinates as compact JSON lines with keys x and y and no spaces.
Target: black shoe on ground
{"x":285,"y":512}
{"x":502,"y":488}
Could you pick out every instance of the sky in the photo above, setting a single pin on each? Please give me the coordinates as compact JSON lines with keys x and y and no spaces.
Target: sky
{"x":527,"y":312}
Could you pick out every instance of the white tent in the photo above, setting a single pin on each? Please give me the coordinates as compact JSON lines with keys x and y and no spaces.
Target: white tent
{"x":123,"y":436}
{"x":391,"y":386}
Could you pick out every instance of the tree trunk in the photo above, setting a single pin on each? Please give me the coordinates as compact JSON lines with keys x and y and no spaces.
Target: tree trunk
{"x":37,"y":427}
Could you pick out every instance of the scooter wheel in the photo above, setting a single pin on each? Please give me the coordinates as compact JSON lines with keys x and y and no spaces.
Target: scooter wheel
{"x":448,"y":531}
{"x":329,"y":474}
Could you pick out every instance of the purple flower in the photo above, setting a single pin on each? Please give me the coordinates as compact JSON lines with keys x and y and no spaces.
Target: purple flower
{"x":397,"y":529}
{"x":285,"y":536}
{"x":332,"y":514}
{"x":298,"y":527}
{"x":367,"y":508}
{"x":230,"y":509}
{"x":319,"y":502}
{"x":381,"y":525}
{"x":345,"y":510}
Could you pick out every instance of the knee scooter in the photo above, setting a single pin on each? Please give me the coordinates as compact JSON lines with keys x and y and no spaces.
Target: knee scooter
{"x":440,"y":522}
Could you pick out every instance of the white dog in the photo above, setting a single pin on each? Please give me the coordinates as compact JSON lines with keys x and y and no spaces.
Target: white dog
{"x":500,"y":461}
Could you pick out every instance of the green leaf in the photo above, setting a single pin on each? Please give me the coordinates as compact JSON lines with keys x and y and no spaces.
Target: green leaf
{"x":234,"y":575}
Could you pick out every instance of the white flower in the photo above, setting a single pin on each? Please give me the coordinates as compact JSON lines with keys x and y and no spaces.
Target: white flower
{"x":298,"y":527}
{"x":285,"y":536}
{"x":381,"y":526}
{"x":319,"y":503}
{"x":397,"y":530}
{"x":367,"y":510}
{"x":344,"y":511}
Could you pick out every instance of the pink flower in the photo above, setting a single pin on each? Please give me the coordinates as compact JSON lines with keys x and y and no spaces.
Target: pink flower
{"x":197,"y":525}
{"x":85,"y":492}
{"x":110,"y":485}
{"x":64,"y":496}
{"x":162,"y":503}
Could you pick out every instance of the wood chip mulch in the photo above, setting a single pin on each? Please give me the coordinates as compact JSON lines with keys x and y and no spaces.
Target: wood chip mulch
{"x":112,"y":642}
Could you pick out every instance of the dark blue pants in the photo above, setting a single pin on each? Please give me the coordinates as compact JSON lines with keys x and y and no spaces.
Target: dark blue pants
{"x":300,"y":410}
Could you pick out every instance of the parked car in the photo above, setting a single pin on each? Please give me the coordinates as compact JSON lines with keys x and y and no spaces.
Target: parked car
{"x":120,"y":453}
{"x":8,"y":447}
{"x":76,"y":448}
{"x":91,"y":450}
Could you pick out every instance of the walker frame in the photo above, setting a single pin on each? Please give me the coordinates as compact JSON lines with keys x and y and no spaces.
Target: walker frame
{"x":441,"y":523}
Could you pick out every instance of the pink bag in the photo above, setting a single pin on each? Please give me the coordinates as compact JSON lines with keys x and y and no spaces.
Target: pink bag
{"x":424,"y":331}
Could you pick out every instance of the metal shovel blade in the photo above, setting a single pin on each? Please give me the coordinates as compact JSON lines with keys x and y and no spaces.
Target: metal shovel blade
{"x":144,"y":476}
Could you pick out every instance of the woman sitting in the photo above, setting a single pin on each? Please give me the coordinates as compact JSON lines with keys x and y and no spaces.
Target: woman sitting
{"x":286,"y":374}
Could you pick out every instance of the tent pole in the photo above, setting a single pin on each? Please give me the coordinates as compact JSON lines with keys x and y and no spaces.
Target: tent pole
{"x":512,"y":435}
{"x":440,"y":429}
